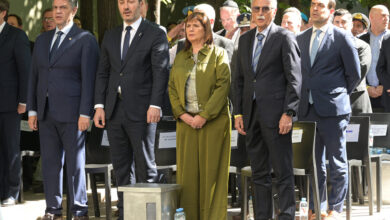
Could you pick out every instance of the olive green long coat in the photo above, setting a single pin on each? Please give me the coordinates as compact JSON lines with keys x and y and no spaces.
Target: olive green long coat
{"x":203,"y":155}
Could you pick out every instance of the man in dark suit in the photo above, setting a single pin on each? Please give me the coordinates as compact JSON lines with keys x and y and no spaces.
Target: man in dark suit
{"x":383,"y":71}
{"x":266,"y":95}
{"x":131,"y":80}
{"x":15,"y":61}
{"x":331,"y":72}
{"x":360,"y":101}
{"x":379,"y":19}
{"x":60,"y":98}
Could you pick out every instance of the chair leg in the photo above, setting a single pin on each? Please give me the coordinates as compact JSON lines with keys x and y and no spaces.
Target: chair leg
{"x":316,"y":196}
{"x":107,"y":178}
{"x":244,"y":202}
{"x":21,"y":196}
{"x":308,"y":189}
{"x":379,"y":184}
{"x":349,"y":196}
{"x":369,"y":187}
{"x":94,"y":195}
{"x":68,"y":202}
{"x":360,"y":185}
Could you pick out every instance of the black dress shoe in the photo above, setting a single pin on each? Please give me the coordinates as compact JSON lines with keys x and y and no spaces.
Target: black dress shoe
{"x":49,"y":216}
{"x":8,"y":202}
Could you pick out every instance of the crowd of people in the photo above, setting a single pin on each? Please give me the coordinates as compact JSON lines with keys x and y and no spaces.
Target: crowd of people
{"x":262,"y":76}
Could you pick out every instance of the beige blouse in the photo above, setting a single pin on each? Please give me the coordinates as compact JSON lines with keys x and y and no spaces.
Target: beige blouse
{"x":191,"y":97}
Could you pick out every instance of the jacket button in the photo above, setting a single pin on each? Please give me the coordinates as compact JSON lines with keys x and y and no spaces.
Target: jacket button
{"x":254,"y":80}
{"x":50,"y":69}
{"x":120,"y":74}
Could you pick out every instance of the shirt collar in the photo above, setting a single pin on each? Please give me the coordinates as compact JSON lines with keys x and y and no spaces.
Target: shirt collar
{"x":323,"y":28}
{"x":2,"y":27}
{"x":66,"y":29}
{"x":134,"y":26}
{"x":381,"y":34}
{"x":265,"y":31}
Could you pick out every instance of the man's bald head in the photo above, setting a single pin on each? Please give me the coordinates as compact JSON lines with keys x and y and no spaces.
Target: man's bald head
{"x":379,"y":18}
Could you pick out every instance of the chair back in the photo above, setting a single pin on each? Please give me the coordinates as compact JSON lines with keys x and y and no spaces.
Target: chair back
{"x":383,"y":119}
{"x":165,"y":153}
{"x":358,"y":149}
{"x":95,"y":152}
{"x":304,"y":136}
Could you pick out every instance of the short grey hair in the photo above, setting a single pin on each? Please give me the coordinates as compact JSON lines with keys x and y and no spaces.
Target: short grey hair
{"x":207,"y":9}
{"x":294,"y":10}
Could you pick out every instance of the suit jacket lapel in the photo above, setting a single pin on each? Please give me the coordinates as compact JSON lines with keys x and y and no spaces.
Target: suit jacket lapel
{"x":4,"y":34}
{"x":306,"y":47}
{"x":134,"y":43}
{"x":267,"y":47}
{"x":250,"y":51}
{"x":65,"y":43}
{"x":117,"y":43}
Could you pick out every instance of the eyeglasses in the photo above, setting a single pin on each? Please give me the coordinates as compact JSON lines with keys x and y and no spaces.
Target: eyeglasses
{"x":48,"y":19}
{"x":257,"y":9}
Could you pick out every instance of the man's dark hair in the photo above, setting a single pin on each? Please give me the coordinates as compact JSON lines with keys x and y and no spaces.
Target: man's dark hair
{"x":46,"y":10}
{"x":342,"y":12}
{"x":18,"y":19}
{"x":73,"y":3}
{"x":4,"y":6}
{"x":332,"y":4}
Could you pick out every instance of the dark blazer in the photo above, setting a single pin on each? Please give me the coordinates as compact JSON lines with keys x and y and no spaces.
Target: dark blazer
{"x":69,"y":90}
{"x":15,"y":59}
{"x":330,"y":80}
{"x":365,"y":37}
{"x":383,"y":71}
{"x":143,"y":75}
{"x":360,"y":100}
{"x":277,"y":81}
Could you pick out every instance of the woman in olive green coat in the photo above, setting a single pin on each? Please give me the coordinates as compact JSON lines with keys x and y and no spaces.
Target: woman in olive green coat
{"x":198,"y":90}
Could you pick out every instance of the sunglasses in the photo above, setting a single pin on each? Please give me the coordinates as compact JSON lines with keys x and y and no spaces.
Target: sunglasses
{"x":257,"y":9}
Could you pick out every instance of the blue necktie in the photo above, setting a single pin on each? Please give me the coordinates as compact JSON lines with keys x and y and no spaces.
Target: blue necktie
{"x":314,"y":46}
{"x":313,"y":53}
{"x":56,"y":44}
{"x":256,"y":56}
{"x":126,"y":42}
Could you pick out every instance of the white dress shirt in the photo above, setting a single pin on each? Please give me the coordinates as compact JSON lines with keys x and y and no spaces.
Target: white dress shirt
{"x":323,"y":29}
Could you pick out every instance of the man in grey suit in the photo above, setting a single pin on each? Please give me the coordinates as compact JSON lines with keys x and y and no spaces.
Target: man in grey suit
{"x":330,"y":72}
{"x":360,"y":100}
{"x":131,"y":80}
{"x":266,"y":97}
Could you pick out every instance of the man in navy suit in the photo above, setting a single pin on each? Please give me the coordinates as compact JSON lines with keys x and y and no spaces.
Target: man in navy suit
{"x":60,"y":99}
{"x":267,"y":85}
{"x":15,"y":61}
{"x":331,"y":72}
{"x":131,"y":81}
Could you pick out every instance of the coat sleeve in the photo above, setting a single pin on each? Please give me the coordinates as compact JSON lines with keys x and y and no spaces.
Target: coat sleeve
{"x":219,"y":96}
{"x":103,"y":72}
{"x":292,"y":70}
{"x":381,"y":68}
{"x":177,"y":108}
{"x":89,"y":61}
{"x":350,"y":59}
{"x":22,"y":53}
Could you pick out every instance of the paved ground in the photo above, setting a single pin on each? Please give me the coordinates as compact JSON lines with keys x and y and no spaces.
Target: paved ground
{"x":34,"y":206}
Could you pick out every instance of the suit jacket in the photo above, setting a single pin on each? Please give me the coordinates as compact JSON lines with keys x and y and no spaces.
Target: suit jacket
{"x":383,"y":71}
{"x":142,"y":76}
{"x":67,"y":80}
{"x":360,"y":101}
{"x":334,"y":75}
{"x":277,"y":80}
{"x":365,"y":37}
{"x":15,"y":59}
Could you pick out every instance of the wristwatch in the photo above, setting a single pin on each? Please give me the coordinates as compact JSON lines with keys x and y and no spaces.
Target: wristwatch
{"x":290,"y":113}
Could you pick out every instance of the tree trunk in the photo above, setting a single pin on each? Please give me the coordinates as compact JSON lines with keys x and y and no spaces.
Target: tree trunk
{"x":107,"y":16}
{"x":154,"y":9}
{"x":86,"y":14}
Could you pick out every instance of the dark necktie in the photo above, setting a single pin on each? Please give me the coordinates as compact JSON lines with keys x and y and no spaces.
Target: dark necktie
{"x":126,"y":43}
{"x":256,"y":56}
{"x":56,"y":44}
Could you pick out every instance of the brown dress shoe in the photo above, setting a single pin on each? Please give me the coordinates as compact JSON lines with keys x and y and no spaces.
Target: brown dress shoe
{"x":81,"y":217}
{"x":49,"y":216}
{"x":312,"y":216}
